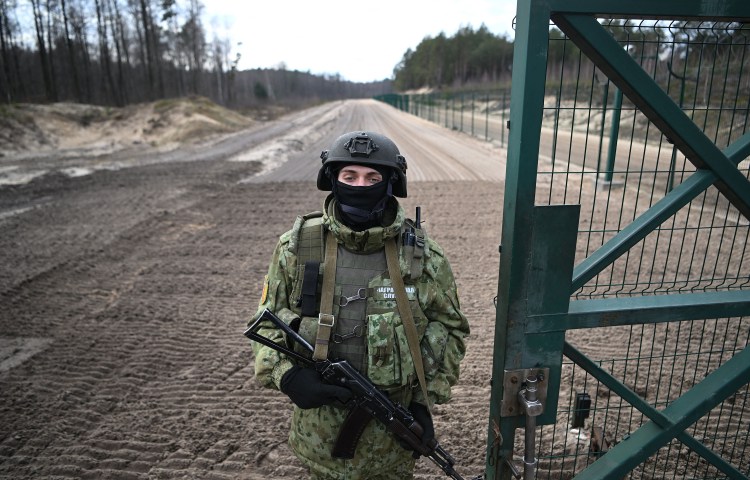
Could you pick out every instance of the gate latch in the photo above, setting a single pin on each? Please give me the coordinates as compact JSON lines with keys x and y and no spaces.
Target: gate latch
{"x":514,"y":382}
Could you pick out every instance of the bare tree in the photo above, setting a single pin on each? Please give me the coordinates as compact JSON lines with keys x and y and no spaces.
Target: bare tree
{"x":77,"y":20}
{"x":42,"y":50}
{"x":147,"y":40}
{"x":71,"y":53}
{"x":175,"y":50}
{"x":52,"y":33}
{"x":193,"y":38}
{"x":220,"y":58}
{"x":108,"y":85}
{"x":10,"y":79}
{"x":121,"y":48}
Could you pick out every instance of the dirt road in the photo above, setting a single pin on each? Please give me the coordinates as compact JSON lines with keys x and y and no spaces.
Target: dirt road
{"x":125,"y":288}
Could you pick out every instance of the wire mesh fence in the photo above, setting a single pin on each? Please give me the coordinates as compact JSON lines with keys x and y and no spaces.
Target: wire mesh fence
{"x":604,"y":154}
{"x":598,"y":150}
{"x":659,"y":363}
{"x":482,"y":114}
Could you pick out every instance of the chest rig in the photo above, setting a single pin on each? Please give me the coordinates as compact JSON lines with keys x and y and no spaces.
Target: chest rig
{"x":341,"y":304}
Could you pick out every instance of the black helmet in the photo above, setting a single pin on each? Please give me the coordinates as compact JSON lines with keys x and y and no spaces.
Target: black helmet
{"x":363,"y":148}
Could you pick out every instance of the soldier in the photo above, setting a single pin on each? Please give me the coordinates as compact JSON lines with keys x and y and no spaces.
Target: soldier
{"x":330,"y":279}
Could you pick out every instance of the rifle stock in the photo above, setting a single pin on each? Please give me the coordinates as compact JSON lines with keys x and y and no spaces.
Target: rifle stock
{"x":368,"y":402}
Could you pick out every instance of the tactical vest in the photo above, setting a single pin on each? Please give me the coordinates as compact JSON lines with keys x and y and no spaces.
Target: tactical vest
{"x":367,"y":330}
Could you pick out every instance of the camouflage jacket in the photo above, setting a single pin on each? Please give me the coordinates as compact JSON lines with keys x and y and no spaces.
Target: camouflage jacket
{"x":435,"y":306}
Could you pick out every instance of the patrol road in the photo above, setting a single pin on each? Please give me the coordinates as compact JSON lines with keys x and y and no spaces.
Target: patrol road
{"x":434,"y":153}
{"x":124,"y":295}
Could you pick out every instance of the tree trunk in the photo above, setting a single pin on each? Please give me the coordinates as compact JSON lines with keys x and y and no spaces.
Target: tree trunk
{"x":51,"y":52}
{"x":114,"y":16}
{"x":78,"y":22}
{"x":71,"y":54}
{"x":147,"y":39}
{"x":6,"y":81}
{"x":108,"y":84}
{"x":43,"y":57}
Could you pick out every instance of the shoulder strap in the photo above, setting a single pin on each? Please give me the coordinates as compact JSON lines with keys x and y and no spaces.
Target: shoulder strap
{"x":306,"y":240}
{"x":402,"y":302}
{"x":325,"y":318}
{"x":309,"y":243}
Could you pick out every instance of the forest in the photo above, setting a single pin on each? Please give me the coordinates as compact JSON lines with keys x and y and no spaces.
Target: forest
{"x":469,"y":57}
{"x":119,"y":52}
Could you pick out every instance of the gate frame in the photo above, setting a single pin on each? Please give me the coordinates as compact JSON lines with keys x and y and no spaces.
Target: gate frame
{"x":537,"y":275}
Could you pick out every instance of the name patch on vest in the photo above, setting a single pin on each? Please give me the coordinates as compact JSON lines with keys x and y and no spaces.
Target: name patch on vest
{"x":388,"y":293}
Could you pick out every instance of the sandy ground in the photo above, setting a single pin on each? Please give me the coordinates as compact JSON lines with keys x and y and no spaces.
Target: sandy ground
{"x":126,"y":286}
{"x":130,"y":268}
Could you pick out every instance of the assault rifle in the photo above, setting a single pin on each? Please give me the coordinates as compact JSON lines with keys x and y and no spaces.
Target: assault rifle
{"x":367,"y":402}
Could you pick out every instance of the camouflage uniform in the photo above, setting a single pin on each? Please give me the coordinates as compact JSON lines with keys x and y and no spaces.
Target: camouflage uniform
{"x":440,"y":324}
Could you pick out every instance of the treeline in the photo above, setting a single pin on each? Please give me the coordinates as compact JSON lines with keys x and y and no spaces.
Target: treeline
{"x":292,"y":87}
{"x":701,"y":60}
{"x":468,"y":57}
{"x":116,"y":52}
{"x":670,"y":51}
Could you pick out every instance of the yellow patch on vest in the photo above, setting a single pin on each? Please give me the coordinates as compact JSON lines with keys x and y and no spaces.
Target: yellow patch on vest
{"x":265,"y":290}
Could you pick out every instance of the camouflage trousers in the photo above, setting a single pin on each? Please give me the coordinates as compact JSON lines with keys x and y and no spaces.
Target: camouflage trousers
{"x":378,"y":455}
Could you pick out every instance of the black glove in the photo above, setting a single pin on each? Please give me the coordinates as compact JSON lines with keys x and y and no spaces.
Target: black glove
{"x":307,"y":390}
{"x":422,"y":416}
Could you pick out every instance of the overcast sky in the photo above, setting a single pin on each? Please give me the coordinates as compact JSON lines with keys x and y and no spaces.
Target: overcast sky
{"x":362,"y":41}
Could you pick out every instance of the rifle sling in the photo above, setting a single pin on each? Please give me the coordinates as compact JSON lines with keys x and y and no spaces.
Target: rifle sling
{"x":402,"y":302}
{"x":351,"y":430}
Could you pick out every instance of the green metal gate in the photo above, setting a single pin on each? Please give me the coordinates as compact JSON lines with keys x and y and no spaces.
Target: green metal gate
{"x":623,"y":314}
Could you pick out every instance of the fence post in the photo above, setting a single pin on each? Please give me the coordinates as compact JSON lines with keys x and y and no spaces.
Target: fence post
{"x":472,"y":114}
{"x":502,"y":119}
{"x":453,"y":112}
{"x":462,"y":111}
{"x":605,"y":96}
{"x":556,"y":125}
{"x":614,"y":133}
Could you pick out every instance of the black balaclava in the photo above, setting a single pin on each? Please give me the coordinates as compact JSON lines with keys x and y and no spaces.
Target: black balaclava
{"x":363,"y":207}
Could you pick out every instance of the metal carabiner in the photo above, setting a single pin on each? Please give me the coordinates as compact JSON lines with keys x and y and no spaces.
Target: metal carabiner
{"x":356,"y":332}
{"x":360,"y":295}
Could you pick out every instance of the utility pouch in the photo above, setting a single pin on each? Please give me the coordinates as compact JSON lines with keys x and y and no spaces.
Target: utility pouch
{"x":413,"y":243}
{"x":389,"y":362}
{"x":408,"y":241}
{"x":416,"y":260}
{"x":309,"y":293}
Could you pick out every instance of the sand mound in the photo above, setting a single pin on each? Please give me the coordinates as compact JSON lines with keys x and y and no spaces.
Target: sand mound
{"x":165,"y":124}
